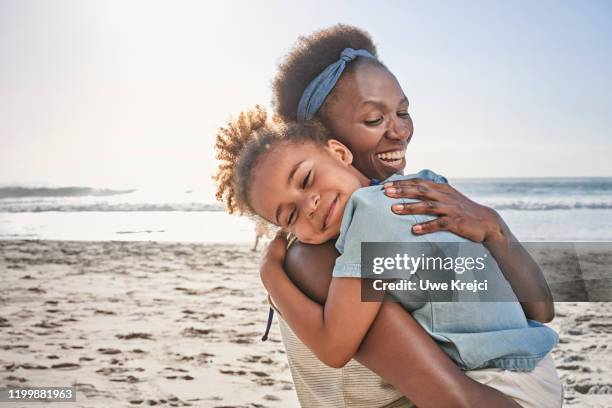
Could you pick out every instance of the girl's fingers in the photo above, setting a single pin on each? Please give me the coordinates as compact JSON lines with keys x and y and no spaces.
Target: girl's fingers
{"x":277,"y":248}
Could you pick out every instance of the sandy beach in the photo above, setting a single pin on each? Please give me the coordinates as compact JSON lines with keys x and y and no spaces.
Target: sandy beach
{"x":176,"y":324}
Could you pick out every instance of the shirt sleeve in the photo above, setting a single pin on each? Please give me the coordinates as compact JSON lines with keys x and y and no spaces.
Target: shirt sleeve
{"x":430,"y":175}
{"x":371,"y":220}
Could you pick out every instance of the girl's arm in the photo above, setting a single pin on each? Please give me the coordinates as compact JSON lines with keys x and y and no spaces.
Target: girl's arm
{"x":333,"y":331}
{"x":395,"y":347}
{"x":462,"y":216}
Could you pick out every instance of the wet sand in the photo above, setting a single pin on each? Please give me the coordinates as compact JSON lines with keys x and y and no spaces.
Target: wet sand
{"x":175,"y":324}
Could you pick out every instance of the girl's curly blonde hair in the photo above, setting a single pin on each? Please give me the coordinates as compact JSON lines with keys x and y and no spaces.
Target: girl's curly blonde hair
{"x":243,"y":141}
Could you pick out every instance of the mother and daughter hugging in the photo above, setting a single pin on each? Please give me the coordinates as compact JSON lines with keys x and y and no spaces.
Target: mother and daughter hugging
{"x":327,"y":168}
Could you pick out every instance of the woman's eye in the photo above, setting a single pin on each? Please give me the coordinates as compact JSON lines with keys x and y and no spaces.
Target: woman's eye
{"x":305,"y":182}
{"x":373,"y":122}
{"x":403,"y":114}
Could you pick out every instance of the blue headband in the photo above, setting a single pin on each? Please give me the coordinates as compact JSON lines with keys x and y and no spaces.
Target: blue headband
{"x":317,"y":90}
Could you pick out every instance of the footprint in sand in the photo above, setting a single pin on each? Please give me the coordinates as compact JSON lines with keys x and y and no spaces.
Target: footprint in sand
{"x":191,"y":292}
{"x":130,"y":379}
{"x":66,"y":366}
{"x":12,"y":378}
{"x":29,"y":366}
{"x":89,"y":390}
{"x":264,"y":381}
{"x":232,"y":372}
{"x":109,"y":351}
{"x":37,"y":290}
{"x":193,"y":332}
{"x":104,"y":312}
{"x":47,"y":325}
{"x":590,"y":388}
{"x":572,"y":358}
{"x":112,"y":370}
{"x":14,"y":346}
{"x":256,"y":359}
{"x":131,"y":336}
{"x":601,"y":327}
{"x":213,"y":316}
{"x":246,"y":338}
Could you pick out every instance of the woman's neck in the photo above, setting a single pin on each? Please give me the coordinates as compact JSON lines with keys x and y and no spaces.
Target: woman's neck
{"x":363,"y":180}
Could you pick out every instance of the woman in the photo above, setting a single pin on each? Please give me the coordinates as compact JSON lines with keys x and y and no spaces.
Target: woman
{"x":396,"y":348}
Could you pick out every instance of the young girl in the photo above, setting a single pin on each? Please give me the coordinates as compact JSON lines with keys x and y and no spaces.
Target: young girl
{"x":292,"y":176}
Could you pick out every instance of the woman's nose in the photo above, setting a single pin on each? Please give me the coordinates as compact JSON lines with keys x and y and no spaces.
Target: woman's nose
{"x":399,"y":129}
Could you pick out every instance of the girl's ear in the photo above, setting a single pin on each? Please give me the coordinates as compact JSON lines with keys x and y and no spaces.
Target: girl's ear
{"x":340,"y":151}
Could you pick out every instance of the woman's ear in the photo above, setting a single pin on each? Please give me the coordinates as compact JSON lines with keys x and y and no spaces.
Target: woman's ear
{"x":340,"y":151}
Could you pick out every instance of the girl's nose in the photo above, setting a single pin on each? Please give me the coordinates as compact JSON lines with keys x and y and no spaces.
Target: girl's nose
{"x":311,"y":203}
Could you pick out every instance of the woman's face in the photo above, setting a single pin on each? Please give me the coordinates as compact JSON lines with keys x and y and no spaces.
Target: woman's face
{"x":368,"y":112}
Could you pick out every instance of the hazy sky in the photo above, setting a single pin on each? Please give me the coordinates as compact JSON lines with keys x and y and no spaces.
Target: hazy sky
{"x":129,"y":93}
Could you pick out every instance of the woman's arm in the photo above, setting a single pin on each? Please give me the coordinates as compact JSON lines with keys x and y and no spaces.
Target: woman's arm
{"x":395,"y":347}
{"x":333,"y":331}
{"x":462,"y":216}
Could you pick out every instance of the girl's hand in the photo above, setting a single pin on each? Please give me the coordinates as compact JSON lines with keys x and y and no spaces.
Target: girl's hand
{"x":456,"y":213}
{"x":274,"y":256}
{"x":276,"y":249}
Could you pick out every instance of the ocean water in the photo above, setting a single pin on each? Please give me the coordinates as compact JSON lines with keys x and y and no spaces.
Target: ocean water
{"x":545,"y":209}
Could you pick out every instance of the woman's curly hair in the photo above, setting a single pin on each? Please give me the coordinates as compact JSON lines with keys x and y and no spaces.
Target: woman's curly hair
{"x":309,"y":56}
{"x":243,"y":141}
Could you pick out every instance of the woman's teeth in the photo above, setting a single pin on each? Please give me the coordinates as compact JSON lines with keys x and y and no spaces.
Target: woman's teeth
{"x":392,"y":158}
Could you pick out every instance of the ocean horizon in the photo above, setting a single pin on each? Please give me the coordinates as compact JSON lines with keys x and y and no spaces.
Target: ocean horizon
{"x":536,"y":209}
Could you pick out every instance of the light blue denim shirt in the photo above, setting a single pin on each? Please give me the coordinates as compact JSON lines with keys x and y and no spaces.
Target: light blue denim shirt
{"x":474,"y":334}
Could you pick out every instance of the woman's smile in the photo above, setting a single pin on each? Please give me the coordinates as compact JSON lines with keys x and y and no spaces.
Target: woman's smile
{"x":395,"y":159}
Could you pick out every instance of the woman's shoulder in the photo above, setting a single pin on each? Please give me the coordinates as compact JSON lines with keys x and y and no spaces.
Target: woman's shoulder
{"x":310,"y":267}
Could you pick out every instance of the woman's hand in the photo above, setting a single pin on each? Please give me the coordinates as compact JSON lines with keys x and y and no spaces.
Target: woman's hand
{"x":462,"y":216}
{"x":456,"y":213}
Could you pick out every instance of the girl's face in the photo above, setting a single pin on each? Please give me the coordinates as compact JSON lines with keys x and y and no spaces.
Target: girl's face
{"x":369,"y":114}
{"x":304,"y":188}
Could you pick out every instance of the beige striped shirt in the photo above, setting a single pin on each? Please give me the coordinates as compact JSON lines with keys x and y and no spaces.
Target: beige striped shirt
{"x":353,"y":386}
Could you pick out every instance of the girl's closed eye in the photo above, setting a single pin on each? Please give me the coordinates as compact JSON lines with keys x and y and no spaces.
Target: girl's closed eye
{"x":306,"y":180}
{"x":292,"y":217}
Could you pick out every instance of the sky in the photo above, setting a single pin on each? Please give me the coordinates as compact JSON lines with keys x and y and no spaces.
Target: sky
{"x":130,"y":93}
